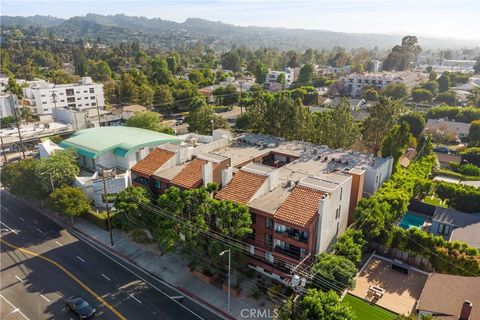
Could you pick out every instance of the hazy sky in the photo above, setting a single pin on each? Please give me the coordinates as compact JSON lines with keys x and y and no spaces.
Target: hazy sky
{"x":440,"y":18}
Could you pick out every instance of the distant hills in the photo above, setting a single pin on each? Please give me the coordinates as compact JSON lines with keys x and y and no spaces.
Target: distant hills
{"x":163,"y":33}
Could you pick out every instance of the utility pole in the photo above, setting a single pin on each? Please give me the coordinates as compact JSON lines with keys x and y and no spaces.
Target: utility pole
{"x":297,"y":284}
{"x":240,"y":100}
{"x":3,"y":149}
{"x":105,"y":196}
{"x":54,"y":97}
{"x":229,"y":276}
{"x":19,"y":133}
{"x":98,"y":111}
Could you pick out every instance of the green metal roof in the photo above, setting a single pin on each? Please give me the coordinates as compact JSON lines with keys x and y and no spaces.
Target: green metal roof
{"x":121,"y":140}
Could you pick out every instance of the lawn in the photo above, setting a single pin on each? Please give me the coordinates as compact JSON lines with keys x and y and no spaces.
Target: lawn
{"x":366,"y":311}
{"x":434,"y":201}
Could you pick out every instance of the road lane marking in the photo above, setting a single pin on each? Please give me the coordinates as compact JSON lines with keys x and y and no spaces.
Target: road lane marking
{"x":59,"y":243}
{"x":18,"y":278}
{"x":5,"y":208}
{"x":9,"y":228}
{"x":46,"y":299}
{"x":69,"y":274}
{"x":80,"y":259}
{"x":121,"y":264}
{"x":106,"y":277}
{"x":21,"y":218}
{"x":15,"y":309}
{"x":131,"y":295}
{"x":39,"y":230}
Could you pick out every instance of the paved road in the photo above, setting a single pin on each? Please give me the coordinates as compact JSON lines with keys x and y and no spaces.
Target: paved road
{"x":41,"y":263}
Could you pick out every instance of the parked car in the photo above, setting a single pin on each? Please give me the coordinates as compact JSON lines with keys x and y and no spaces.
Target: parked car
{"x":179,"y":120}
{"x":80,"y":306}
{"x":442,"y":149}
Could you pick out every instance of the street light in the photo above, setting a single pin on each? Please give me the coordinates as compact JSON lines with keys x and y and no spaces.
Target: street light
{"x":297,"y":285}
{"x":229,"y":261}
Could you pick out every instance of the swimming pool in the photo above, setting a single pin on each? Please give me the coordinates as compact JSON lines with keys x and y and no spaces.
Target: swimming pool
{"x":412,"y":220}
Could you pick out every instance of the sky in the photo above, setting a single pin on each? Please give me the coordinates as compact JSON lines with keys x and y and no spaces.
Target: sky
{"x":438,"y":18}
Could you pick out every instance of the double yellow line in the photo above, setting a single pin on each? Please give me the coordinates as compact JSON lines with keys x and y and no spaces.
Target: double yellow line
{"x":68,"y":273}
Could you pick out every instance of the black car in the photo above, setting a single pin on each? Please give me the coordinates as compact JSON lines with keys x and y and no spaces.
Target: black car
{"x":80,"y":306}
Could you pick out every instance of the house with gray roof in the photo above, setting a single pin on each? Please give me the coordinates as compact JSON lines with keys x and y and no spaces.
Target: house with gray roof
{"x":446,"y":220}
{"x":460,"y":129}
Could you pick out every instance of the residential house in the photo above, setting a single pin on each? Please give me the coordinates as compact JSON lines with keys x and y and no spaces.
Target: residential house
{"x":129,"y":111}
{"x":450,"y":297}
{"x":456,"y":225}
{"x":113,"y":150}
{"x":459,"y":129}
{"x":291,"y":75}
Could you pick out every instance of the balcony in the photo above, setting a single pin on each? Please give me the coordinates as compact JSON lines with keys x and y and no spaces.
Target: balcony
{"x":292,"y":252}
{"x":293,"y":234}
{"x":141,"y":181}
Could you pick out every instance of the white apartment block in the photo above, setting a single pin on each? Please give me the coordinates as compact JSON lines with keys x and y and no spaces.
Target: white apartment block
{"x":291,"y":74}
{"x":43,"y":97}
{"x":354,"y":83}
{"x":8,"y":103}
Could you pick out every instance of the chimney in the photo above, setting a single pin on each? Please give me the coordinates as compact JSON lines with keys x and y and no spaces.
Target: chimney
{"x":466,"y":310}
{"x":207,"y":173}
{"x":226,"y":176}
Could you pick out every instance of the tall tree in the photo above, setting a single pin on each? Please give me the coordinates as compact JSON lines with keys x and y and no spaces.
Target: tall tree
{"x":202,"y":117}
{"x":396,"y":141}
{"x":382,"y":117}
{"x":335,"y":269}
{"x":261,"y":71}
{"x":318,"y":305}
{"x":401,"y":56}
{"x":61,"y":168}
{"x":444,"y":82}
{"x":395,"y":90}
{"x":148,"y":120}
{"x":231,"y":61}
{"x":70,"y":201}
{"x":306,"y":74}
{"x":416,"y":122}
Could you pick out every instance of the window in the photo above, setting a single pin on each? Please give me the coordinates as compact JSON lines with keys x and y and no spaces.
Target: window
{"x":253,"y":217}
{"x":341,"y":193}
{"x":44,"y":102}
{"x":250,"y":249}
{"x":61,"y":93}
{"x":87,"y":104}
{"x":269,"y":223}
{"x":158,"y":184}
{"x":269,"y":256}
{"x":43,"y":95}
{"x":137,"y":156}
{"x":337,"y":213}
{"x":77,"y":91}
{"x":62,"y":100}
{"x":443,"y":229}
{"x":280,"y":228}
{"x":85,"y":91}
{"x":92,"y":98}
{"x":92,"y":90}
{"x":268,"y":240}
{"x":71,"y":99}
{"x":79,"y":98}
{"x":94,"y":104}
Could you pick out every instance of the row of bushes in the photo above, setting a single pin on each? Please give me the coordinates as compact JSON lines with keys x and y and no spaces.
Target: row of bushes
{"x":376,"y":218}
{"x":459,"y":196}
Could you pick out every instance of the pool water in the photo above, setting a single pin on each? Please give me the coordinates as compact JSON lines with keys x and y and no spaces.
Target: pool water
{"x":412,"y":220}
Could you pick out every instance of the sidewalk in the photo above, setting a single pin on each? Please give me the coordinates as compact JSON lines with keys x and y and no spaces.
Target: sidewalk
{"x":172,"y":268}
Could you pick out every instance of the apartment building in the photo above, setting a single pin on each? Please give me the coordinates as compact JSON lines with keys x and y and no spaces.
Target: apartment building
{"x":8,"y":105}
{"x":301,"y":196}
{"x":353,"y":84}
{"x":43,"y":97}
{"x":291,"y":75}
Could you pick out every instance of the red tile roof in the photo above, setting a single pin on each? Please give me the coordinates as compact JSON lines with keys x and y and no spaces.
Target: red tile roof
{"x":300,"y":207}
{"x":152,"y":162}
{"x":242,"y":187}
{"x":191,"y":175}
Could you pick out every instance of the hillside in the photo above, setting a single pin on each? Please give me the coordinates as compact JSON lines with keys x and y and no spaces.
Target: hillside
{"x":164,"y":33}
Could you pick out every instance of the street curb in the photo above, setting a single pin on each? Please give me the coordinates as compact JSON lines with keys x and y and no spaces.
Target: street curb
{"x":49,"y":214}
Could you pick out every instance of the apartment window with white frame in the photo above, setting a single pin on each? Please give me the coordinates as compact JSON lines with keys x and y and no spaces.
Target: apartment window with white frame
{"x":269,"y":256}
